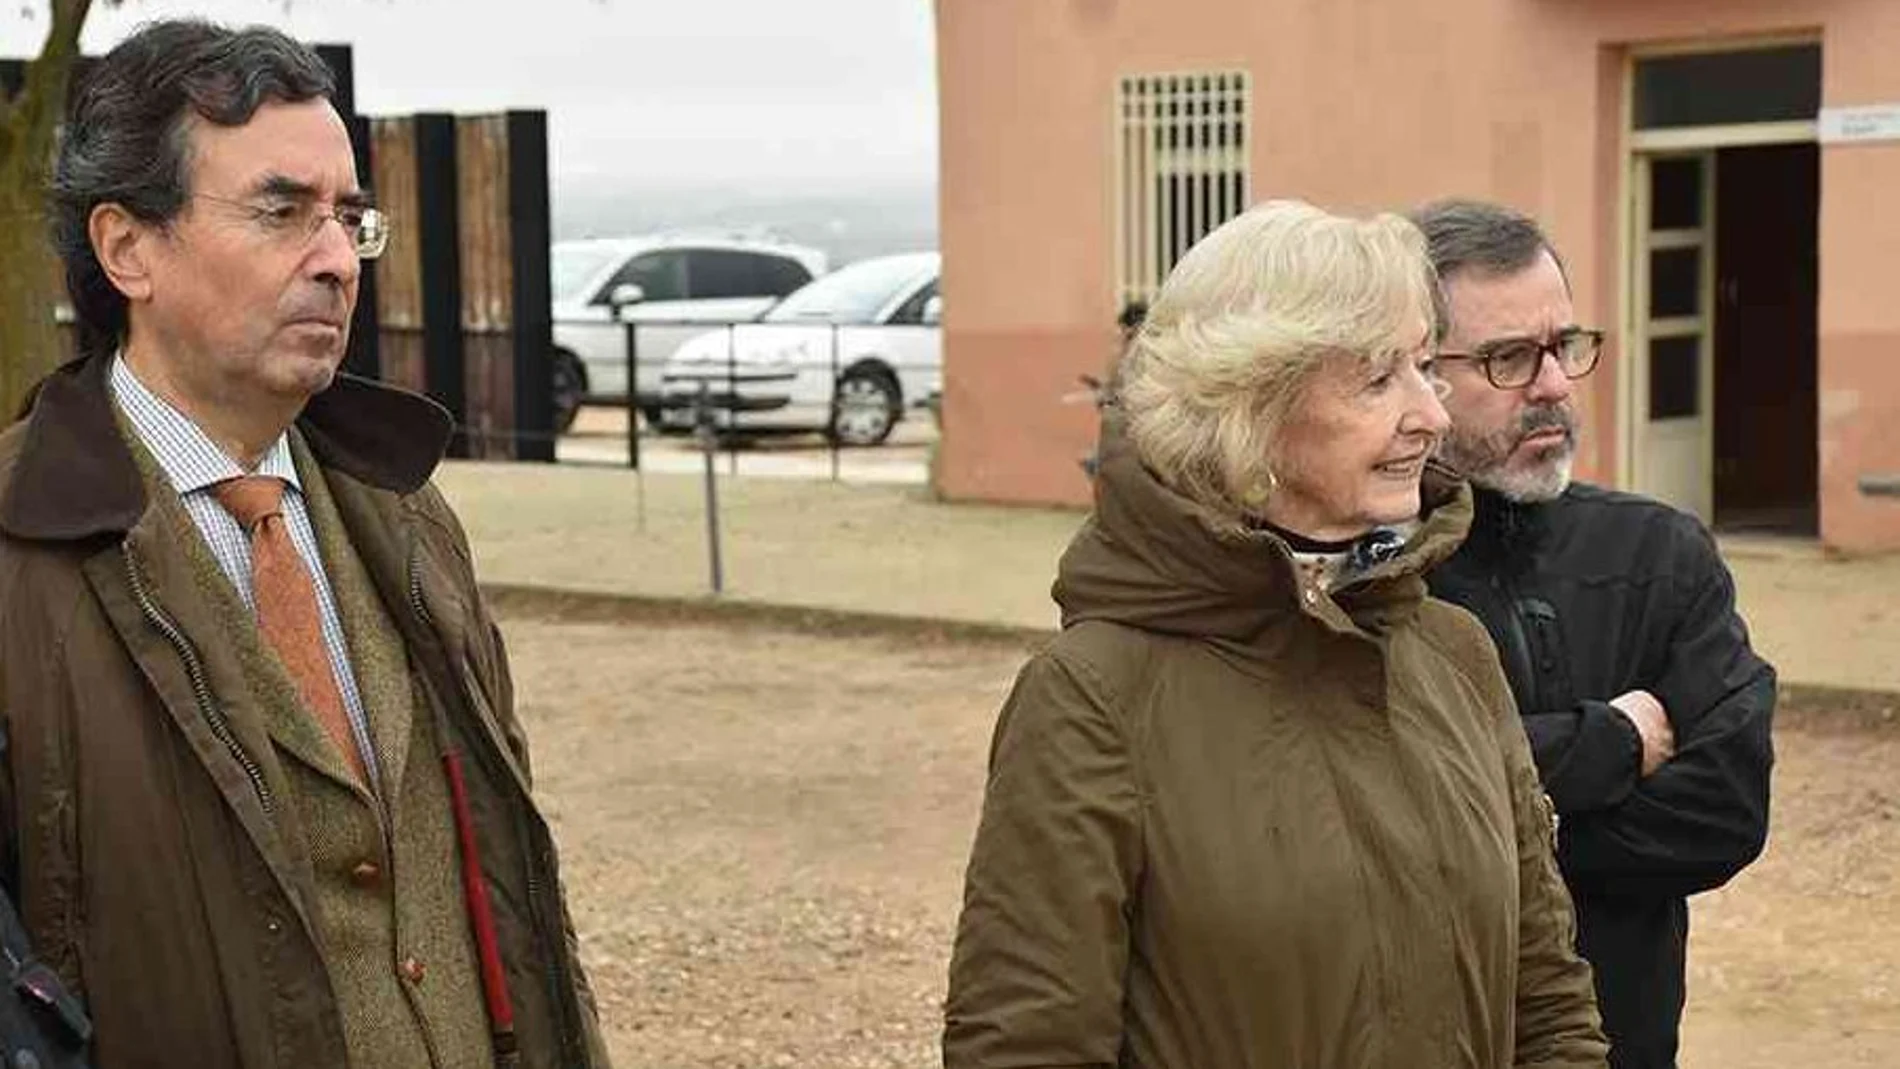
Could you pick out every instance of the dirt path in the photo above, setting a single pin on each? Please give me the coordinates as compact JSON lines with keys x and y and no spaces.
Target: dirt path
{"x":764,"y":836}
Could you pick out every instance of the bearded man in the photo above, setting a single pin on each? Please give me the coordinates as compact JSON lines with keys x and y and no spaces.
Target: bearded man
{"x":1648,"y":713}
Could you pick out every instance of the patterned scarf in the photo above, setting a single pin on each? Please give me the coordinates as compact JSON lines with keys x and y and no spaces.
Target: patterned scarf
{"x":1331,"y":565}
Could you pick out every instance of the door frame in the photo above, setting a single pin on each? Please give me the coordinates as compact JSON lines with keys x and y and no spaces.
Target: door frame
{"x":1642,"y":327}
{"x":1632,"y":372}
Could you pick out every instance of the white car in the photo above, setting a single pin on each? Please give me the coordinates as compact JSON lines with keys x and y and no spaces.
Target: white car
{"x":674,"y":285}
{"x":847,"y":355}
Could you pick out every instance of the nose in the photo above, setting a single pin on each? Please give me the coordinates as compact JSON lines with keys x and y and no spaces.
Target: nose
{"x":1550,"y":385}
{"x":1428,"y":415}
{"x":332,"y":256}
{"x":1434,"y":418}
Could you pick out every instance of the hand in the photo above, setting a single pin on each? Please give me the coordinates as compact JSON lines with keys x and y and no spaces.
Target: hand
{"x":1652,"y":723}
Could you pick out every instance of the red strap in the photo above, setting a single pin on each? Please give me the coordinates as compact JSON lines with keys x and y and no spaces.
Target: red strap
{"x":501,"y":1011}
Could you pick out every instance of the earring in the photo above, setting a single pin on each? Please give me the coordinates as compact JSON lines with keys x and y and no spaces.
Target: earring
{"x":1255,"y":497}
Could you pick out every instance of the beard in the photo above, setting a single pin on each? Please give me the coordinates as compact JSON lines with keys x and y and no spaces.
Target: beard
{"x":1487,"y":459}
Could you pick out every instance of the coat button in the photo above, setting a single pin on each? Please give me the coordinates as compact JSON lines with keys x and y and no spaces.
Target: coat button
{"x":412,"y":970}
{"x":273,"y":925}
{"x":367,"y":874}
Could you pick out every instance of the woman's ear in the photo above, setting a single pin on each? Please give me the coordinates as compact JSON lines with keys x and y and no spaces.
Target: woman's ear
{"x":122,"y":243}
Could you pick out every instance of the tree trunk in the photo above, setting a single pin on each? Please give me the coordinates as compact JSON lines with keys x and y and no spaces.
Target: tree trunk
{"x":31,"y":343}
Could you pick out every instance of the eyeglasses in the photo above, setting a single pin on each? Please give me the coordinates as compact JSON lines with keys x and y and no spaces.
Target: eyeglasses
{"x":1513,"y":363}
{"x":299,"y":220}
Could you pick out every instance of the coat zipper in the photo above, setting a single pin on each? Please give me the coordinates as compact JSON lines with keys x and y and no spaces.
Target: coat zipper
{"x":200,"y":685}
{"x":1521,"y":652}
{"x":560,"y":987}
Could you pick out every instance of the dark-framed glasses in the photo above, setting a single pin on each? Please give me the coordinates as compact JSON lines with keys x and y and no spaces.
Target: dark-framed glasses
{"x":1513,"y":363}
{"x":298,"y":220}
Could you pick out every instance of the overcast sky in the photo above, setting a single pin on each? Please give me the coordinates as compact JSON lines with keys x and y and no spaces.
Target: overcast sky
{"x":768,"y":96}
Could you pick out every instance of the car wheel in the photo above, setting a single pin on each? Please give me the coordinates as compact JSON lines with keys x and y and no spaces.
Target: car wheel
{"x":865,"y":409}
{"x":570,"y":385}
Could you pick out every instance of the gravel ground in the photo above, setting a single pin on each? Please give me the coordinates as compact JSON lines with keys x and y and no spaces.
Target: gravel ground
{"x":764,"y":832}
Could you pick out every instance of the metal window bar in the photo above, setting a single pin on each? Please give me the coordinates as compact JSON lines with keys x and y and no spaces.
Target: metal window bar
{"x":1146,"y":225}
{"x":1203,"y":129}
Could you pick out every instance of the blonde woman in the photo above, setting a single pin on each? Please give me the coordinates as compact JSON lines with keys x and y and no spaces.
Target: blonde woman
{"x":1263,"y":803}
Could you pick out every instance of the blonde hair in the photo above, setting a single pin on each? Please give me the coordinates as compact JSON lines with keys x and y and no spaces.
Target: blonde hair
{"x":1241,"y":326}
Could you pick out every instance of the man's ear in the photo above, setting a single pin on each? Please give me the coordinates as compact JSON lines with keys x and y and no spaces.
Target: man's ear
{"x":123,"y":244}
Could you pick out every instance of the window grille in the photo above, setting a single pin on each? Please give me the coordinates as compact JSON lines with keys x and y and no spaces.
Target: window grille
{"x":1181,"y":169}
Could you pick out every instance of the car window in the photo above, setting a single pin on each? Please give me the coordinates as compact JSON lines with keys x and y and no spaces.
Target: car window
{"x":911,"y":313}
{"x":716,"y":273}
{"x":851,"y":294}
{"x":783,"y":275}
{"x":661,"y":274}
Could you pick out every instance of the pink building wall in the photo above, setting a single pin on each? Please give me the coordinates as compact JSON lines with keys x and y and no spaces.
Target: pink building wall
{"x":1363,"y":105}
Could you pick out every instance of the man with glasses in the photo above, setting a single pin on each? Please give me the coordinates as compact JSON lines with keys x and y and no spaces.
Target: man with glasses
{"x":265,"y":799}
{"x":1615,"y":618}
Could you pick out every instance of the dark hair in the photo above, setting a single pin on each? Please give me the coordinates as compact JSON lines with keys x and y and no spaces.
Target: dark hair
{"x":1476,"y":236}
{"x":1131,"y":317}
{"x":127,"y":137}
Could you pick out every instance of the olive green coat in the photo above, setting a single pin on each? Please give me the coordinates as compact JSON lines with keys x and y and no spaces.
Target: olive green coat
{"x":1231,"y":822}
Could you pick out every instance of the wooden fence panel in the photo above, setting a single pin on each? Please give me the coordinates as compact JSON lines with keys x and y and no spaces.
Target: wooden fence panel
{"x":481,"y":149}
{"x":399,"y":269}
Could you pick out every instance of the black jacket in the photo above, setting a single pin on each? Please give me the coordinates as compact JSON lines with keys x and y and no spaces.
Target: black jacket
{"x":1589,"y":596}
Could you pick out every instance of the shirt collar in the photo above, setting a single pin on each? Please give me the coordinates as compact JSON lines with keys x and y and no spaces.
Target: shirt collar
{"x":185,"y":453}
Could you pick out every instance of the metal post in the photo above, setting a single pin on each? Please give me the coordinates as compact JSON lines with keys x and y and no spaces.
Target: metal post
{"x":702,"y":417}
{"x":832,"y":438}
{"x":633,"y":398}
{"x":732,"y":398}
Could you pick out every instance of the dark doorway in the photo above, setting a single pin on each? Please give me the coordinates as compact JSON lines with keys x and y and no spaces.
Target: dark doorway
{"x":1766,"y":424}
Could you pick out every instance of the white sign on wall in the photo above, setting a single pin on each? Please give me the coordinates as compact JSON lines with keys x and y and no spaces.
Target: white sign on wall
{"x":1868,"y":122}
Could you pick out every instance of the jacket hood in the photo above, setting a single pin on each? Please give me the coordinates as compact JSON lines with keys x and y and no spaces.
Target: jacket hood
{"x":1147,"y":559}
{"x":74,"y":477}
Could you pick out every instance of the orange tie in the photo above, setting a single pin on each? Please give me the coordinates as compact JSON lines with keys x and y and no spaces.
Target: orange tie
{"x":287,"y":613}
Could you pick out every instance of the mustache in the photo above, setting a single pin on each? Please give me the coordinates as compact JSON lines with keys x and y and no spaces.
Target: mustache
{"x":1546,"y":418}
{"x":1464,"y":454}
